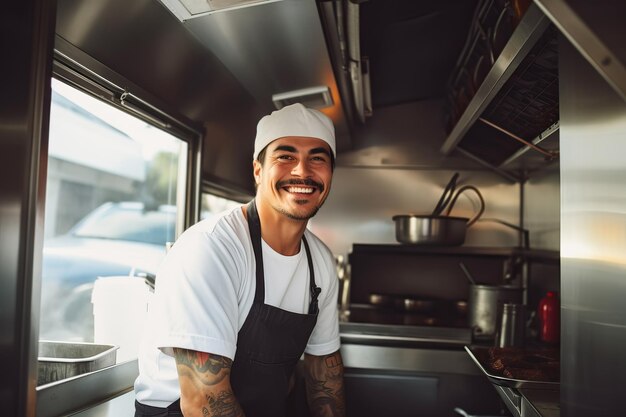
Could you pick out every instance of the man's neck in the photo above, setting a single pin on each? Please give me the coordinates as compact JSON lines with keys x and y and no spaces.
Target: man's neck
{"x":280,"y":232}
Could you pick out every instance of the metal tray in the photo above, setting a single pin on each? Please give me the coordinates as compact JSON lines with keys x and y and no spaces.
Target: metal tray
{"x":60,"y":360}
{"x":507,"y":382}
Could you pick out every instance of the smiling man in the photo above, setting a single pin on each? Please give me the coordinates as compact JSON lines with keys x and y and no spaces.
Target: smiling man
{"x":240,"y":298}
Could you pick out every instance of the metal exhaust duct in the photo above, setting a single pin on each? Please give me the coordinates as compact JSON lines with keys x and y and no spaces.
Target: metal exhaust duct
{"x":359,"y":78}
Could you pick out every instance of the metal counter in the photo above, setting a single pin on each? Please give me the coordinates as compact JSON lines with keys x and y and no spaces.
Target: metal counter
{"x":414,"y":375}
{"x":405,"y":336}
{"x":429,"y":349}
{"x":522,"y":398}
{"x":527,"y":402}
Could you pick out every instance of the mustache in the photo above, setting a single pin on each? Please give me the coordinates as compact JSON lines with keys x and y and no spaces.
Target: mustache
{"x":307,"y":181}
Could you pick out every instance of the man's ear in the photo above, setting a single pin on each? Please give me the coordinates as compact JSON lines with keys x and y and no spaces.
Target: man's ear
{"x":256,"y":169}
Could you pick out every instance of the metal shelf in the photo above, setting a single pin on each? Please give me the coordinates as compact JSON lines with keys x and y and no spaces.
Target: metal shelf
{"x":504,"y":252}
{"x":530,"y":29}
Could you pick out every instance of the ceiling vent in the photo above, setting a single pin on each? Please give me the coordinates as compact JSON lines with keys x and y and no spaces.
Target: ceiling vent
{"x":314,"y":97}
{"x":188,"y":9}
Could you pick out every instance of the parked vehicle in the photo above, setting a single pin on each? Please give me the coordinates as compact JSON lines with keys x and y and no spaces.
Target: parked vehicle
{"x":118,"y":238}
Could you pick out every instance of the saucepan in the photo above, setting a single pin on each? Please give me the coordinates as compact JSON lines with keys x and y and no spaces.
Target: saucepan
{"x":437,"y":229}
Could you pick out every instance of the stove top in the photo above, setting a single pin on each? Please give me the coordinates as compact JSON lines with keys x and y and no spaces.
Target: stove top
{"x":373,"y":325}
{"x":439,"y":317}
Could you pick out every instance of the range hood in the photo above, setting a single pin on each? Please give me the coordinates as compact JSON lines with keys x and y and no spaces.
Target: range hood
{"x":276,"y":49}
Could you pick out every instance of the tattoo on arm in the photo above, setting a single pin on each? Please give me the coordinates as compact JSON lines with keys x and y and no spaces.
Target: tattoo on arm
{"x":324,"y":381}
{"x":205,"y":384}
{"x":212,"y":369}
{"x":223,"y":404}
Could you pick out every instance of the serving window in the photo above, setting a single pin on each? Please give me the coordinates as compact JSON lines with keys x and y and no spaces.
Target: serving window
{"x":115,"y":196}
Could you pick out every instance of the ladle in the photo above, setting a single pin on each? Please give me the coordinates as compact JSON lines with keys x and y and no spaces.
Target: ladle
{"x":467,"y":273}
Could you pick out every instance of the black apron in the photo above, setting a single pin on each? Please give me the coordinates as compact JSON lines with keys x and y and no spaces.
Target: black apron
{"x":269,"y":344}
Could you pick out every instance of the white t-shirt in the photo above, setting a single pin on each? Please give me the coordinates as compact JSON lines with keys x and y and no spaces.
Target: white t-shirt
{"x":205,"y":289}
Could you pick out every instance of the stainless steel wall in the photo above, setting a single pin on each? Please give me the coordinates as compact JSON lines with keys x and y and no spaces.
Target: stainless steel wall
{"x":542,"y":210}
{"x":27,"y":30}
{"x":593,"y":240}
{"x":396,"y":168}
{"x":363,"y":201}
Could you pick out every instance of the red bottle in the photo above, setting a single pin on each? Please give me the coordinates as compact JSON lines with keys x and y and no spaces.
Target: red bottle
{"x":549,"y":318}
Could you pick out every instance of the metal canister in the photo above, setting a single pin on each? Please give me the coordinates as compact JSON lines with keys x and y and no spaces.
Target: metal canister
{"x":485,"y":302}
{"x":511,"y":329}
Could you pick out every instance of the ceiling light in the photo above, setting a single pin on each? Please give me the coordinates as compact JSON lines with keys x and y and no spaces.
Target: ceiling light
{"x":314,"y":97}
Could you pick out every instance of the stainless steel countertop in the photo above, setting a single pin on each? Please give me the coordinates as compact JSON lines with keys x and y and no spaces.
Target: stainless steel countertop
{"x":526,"y":401}
{"x":540,"y":403}
{"x":529,"y":402}
{"x":404,"y":335}
{"x":121,"y":406}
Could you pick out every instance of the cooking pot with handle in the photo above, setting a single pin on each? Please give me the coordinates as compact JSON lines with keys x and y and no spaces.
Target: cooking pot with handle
{"x":442,"y":230}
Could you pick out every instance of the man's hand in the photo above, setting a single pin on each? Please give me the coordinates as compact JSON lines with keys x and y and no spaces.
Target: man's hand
{"x":205,"y":389}
{"x":324,"y":385}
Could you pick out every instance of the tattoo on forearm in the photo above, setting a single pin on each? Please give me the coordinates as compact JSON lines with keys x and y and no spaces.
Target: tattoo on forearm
{"x":212,"y":368}
{"x":223,"y":404}
{"x":333,"y":361}
{"x":325,"y":391}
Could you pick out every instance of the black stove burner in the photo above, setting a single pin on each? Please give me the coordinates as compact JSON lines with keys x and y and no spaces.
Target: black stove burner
{"x":440,"y":317}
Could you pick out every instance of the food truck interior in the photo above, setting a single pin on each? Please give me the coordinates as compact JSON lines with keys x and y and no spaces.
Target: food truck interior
{"x":477,"y":212}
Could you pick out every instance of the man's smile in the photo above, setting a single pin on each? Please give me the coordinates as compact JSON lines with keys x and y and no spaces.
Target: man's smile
{"x":294,"y":186}
{"x":299,"y":190}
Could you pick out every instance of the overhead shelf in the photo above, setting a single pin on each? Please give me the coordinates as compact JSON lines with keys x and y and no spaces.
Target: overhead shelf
{"x":516,"y":102}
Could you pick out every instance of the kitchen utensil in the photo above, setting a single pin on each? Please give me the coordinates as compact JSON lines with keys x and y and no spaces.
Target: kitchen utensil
{"x":519,"y":8}
{"x":467,"y":273}
{"x":511,"y":328}
{"x":485,"y":60}
{"x":445,"y":198}
{"x":484,"y":302}
{"x":382,"y":300}
{"x":415,"y":305}
{"x":460,"y":307}
{"x":481,"y":357}
{"x":437,"y":230}
{"x":502,"y":32}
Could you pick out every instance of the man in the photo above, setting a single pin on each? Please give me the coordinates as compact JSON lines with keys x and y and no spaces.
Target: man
{"x":238,"y":299}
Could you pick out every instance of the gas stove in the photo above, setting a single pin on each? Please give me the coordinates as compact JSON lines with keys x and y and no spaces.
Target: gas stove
{"x":367,"y":324}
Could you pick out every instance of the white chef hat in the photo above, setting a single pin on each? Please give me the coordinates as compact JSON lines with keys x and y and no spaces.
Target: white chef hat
{"x":294,"y":120}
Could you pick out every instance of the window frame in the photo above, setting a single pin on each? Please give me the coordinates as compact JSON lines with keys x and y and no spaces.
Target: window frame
{"x":79,"y":70}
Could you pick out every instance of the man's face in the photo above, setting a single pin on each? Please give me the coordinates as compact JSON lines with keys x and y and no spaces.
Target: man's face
{"x":295,"y":176}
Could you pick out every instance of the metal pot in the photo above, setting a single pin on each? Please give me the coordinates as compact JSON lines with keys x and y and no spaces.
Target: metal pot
{"x":485,"y":303}
{"x":430,"y":230}
{"x":436,"y":230}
